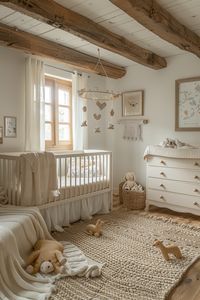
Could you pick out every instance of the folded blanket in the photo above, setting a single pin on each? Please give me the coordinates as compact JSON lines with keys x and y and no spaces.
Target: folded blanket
{"x":77,"y":264}
{"x":38,"y":176}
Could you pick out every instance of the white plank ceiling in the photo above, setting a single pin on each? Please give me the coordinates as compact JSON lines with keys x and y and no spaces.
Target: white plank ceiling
{"x":111,"y":17}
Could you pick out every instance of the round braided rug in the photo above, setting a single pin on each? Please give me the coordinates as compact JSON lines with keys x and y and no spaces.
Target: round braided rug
{"x":134,"y":269}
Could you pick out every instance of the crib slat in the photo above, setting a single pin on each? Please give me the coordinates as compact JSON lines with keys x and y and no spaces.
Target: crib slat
{"x":75,"y":174}
{"x":96,"y":173}
{"x":80,"y":170}
{"x":84,"y":170}
{"x":60,"y":173}
{"x":88,"y":166}
{"x":70,"y":178}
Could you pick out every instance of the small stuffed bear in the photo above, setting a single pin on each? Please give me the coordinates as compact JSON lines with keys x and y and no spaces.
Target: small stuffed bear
{"x":47,"y":257}
{"x":129,"y":181}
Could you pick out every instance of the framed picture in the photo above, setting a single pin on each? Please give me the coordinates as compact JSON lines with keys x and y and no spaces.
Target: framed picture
{"x":1,"y":135}
{"x":132,"y":103}
{"x":10,"y":127}
{"x":187,"y":110}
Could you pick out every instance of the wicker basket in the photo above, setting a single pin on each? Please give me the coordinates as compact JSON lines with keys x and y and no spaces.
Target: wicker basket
{"x":134,"y":200}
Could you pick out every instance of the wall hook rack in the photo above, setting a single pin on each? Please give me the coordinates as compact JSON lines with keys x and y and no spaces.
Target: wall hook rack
{"x":133,"y":120}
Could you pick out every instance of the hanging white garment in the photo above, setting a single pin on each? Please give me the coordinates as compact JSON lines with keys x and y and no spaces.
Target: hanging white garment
{"x":133,"y":131}
{"x":34,"y":105}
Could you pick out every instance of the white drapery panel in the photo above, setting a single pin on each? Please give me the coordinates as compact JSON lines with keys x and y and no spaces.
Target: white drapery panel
{"x":80,"y":134}
{"x":34,"y":105}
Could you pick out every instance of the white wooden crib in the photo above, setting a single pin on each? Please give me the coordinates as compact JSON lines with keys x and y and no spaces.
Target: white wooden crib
{"x":84,"y":185}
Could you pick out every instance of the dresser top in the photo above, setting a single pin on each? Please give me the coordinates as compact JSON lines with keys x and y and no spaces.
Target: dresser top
{"x":182,"y":152}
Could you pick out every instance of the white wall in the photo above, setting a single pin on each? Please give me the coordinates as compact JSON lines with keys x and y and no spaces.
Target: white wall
{"x":12,"y":95}
{"x":159,"y":108}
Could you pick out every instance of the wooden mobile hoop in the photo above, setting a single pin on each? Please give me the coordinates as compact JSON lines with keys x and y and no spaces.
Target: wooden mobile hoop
{"x":98,"y":94}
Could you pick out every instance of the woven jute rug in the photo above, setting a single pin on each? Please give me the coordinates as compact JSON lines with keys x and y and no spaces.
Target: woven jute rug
{"x":134,"y":269}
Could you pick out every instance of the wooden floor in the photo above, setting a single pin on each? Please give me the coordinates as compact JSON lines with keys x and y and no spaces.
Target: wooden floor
{"x":189,"y":287}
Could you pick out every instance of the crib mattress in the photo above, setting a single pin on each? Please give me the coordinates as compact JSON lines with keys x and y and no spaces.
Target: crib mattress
{"x":72,"y":187}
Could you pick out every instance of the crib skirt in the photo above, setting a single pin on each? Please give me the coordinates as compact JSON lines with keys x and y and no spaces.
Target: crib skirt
{"x":73,"y":210}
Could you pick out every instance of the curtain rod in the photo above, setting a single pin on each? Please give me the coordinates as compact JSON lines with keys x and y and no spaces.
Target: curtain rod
{"x":68,"y":71}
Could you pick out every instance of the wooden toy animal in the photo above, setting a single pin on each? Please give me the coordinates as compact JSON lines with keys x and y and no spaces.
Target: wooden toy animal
{"x":166,"y":250}
{"x":95,"y":230}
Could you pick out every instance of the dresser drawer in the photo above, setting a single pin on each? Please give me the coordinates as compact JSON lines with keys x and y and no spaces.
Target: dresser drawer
{"x":174,"y":199}
{"x":174,"y":162}
{"x":175,"y":186}
{"x":174,"y":174}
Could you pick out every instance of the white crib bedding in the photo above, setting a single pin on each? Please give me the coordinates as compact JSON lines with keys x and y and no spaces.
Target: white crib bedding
{"x":20,"y":228}
{"x":76,"y":181}
{"x":72,"y":187}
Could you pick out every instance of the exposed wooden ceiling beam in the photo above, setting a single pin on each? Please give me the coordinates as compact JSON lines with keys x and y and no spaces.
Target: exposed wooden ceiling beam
{"x":30,"y":43}
{"x":56,"y":15}
{"x":157,"y":19}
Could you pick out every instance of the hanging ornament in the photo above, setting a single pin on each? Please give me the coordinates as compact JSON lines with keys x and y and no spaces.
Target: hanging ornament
{"x":97,"y":130}
{"x":84,"y":124}
{"x":97,"y":117}
{"x":111,"y":126}
{"x":101,"y":105}
{"x":112,"y":112}
{"x":84,"y":108}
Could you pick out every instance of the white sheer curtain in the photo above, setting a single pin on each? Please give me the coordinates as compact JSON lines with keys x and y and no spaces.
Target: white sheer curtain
{"x":34,"y":105}
{"x":80,"y":134}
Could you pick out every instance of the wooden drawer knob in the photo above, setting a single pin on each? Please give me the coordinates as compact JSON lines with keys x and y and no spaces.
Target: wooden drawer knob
{"x":162,"y":197}
{"x":196,"y":203}
{"x":196,"y":190}
{"x":162,"y":173}
{"x":162,"y":162}
{"x":162,"y":185}
{"x":196,"y":177}
{"x":196,"y":163}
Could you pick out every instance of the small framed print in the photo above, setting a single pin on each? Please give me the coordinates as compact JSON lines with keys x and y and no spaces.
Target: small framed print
{"x":132,"y":103}
{"x":10,"y":127}
{"x":1,"y":135}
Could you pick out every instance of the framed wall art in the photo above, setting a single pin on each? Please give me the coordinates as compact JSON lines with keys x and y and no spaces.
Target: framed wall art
{"x":10,"y":127}
{"x":132,"y":103}
{"x":1,"y":135}
{"x":187,"y":110}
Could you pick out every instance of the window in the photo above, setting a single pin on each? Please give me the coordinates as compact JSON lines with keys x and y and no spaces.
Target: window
{"x":58,"y":113}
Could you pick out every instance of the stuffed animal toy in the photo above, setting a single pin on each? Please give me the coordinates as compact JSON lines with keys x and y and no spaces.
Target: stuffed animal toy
{"x":95,"y":230}
{"x":169,"y":143}
{"x":166,"y":250}
{"x":47,"y":257}
{"x":129,"y":181}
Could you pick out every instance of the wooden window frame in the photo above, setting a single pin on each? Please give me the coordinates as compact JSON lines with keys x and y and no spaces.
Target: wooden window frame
{"x":55,"y":144}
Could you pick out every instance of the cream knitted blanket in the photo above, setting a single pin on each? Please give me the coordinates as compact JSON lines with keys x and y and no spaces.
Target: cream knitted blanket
{"x":37,"y":172}
{"x":20,"y":228}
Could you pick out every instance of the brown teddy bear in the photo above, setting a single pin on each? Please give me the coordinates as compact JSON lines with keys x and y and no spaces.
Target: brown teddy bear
{"x":47,"y":257}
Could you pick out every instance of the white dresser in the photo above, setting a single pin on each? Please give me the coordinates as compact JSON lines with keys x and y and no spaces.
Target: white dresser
{"x":173,"y":182}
